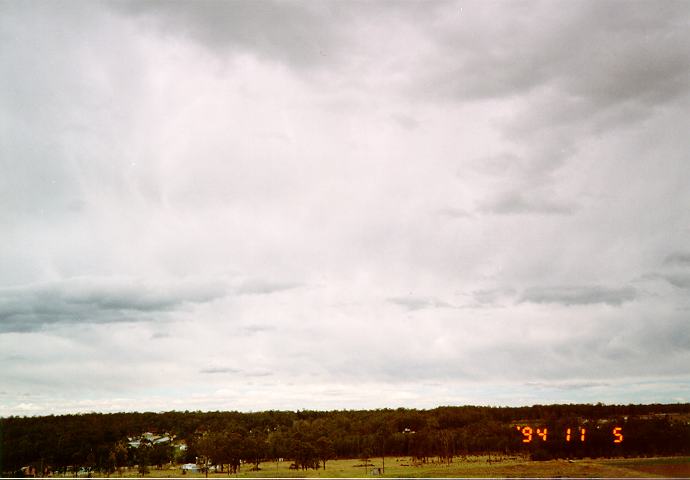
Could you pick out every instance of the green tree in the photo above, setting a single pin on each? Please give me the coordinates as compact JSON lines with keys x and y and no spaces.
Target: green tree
{"x":324,"y":449}
{"x":161,"y":453}
{"x":228,"y":450}
{"x":117,"y":455}
{"x":143,"y":458}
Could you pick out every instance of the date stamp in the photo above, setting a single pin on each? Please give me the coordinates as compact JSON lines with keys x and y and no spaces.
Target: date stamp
{"x":530,"y":433}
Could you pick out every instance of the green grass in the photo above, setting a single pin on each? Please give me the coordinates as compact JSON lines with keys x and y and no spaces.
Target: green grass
{"x":649,"y":461}
{"x":472,"y":466}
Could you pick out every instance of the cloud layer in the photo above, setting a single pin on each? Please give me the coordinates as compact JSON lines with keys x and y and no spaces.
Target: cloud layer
{"x":95,"y":300}
{"x":252,"y":205}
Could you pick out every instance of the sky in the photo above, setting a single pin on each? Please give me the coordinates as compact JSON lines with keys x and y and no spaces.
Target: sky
{"x":235,"y":205}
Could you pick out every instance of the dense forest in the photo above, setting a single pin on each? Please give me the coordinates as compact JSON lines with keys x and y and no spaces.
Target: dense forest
{"x":105,"y":443}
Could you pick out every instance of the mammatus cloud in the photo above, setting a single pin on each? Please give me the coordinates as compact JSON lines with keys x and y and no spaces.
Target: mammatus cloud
{"x":579,"y":295}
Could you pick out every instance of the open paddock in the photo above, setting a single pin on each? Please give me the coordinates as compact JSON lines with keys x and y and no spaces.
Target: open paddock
{"x":470,"y":466}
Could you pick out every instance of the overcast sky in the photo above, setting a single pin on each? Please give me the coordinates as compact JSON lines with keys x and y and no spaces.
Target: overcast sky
{"x":326,"y":205}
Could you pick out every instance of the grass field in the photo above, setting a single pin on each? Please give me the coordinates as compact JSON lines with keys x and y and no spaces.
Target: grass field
{"x":473,"y":466}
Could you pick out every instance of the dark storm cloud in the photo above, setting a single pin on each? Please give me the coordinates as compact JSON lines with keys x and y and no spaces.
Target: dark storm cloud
{"x":95,"y":300}
{"x":579,"y":295}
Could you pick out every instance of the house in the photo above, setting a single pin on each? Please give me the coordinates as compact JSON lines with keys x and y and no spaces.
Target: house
{"x":149,"y":438}
{"x":29,"y":471}
{"x":190,"y":467}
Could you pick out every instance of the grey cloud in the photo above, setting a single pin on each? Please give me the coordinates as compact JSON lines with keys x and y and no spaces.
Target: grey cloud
{"x":299,"y":34}
{"x":675,"y":270}
{"x":515,"y":203}
{"x":593,"y":357}
{"x":222,"y":370}
{"x":236,"y":371}
{"x":502,"y":164}
{"x":658,"y":342}
{"x":417,"y":303}
{"x":582,"y":69}
{"x":679,"y":280}
{"x":568,"y":385}
{"x":405,"y":121}
{"x":529,"y":169}
{"x":418,"y":369}
{"x":96,"y":300}
{"x":60,"y":139}
{"x":637,"y":51}
{"x":579,"y":295}
{"x":673,"y":335}
{"x":258,"y":373}
{"x":252,"y":329}
{"x":678,"y":259}
{"x":454,"y":212}
{"x":398,"y":364}
{"x":352,"y":90}
{"x":491,"y":296}
{"x":667,"y":338}
{"x":264,"y":287}
{"x":295,"y":33}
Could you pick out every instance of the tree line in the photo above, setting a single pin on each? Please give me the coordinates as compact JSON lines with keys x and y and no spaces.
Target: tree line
{"x":309,"y":439}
